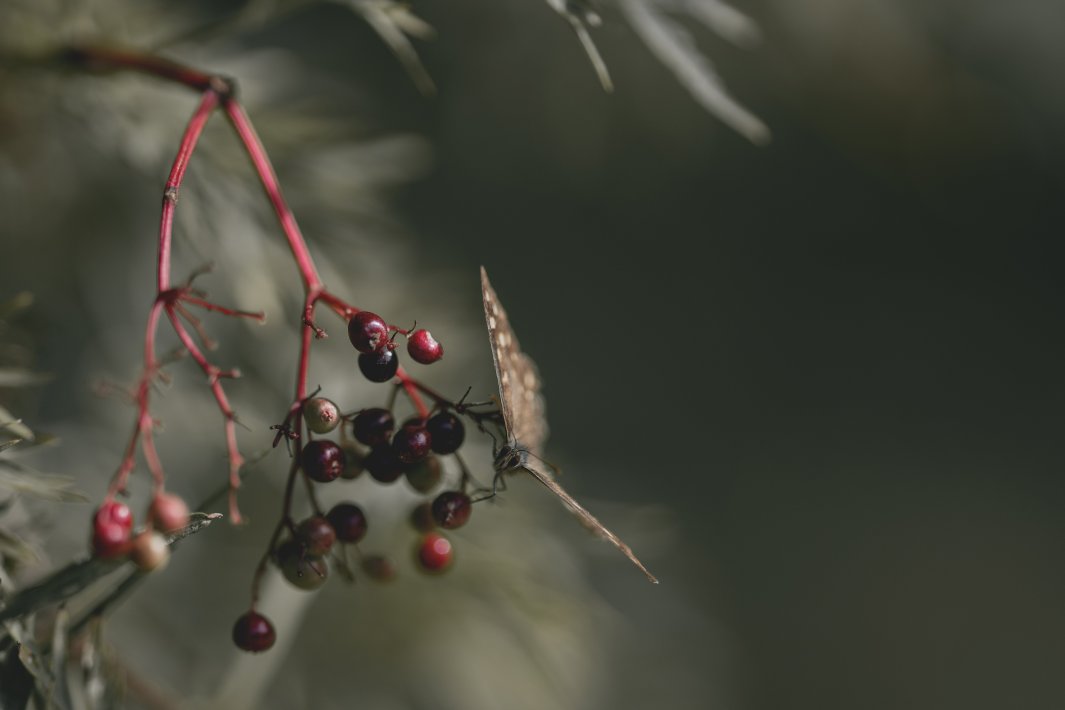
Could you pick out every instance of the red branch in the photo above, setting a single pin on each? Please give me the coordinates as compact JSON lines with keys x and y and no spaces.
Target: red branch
{"x":216,"y":92}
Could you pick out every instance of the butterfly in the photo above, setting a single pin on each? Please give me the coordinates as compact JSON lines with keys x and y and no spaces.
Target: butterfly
{"x":524,"y":421}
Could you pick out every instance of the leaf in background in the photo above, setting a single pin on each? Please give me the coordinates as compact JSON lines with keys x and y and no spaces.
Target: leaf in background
{"x":8,"y":422}
{"x":9,"y":444}
{"x":15,"y":550}
{"x":17,"y":303}
{"x":394,"y":23}
{"x":18,"y":377}
{"x":23,"y":479}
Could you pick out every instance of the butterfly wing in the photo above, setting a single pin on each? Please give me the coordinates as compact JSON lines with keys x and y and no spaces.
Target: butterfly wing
{"x":587,"y":519}
{"x":520,"y":400}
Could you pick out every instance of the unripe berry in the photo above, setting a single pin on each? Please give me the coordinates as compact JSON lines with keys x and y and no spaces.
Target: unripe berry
{"x":379,"y":366}
{"x":412,"y":442}
{"x":321,"y":415}
{"x":149,"y":551}
{"x":348,"y":521}
{"x":447,"y":432}
{"x":425,"y":475}
{"x":423,"y":347}
{"x":168,"y":512}
{"x":378,"y":568}
{"x":383,"y":464}
{"x":353,"y":462}
{"x":316,"y":535}
{"x":368,"y":332}
{"x":422,"y":518}
{"x":301,"y":569}
{"x":373,"y":426}
{"x":451,"y":509}
{"x":434,"y":553}
{"x":322,"y":460}
{"x":254,"y":633}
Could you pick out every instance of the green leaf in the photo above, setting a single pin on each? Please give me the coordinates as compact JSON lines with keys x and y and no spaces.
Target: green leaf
{"x":14,"y":549}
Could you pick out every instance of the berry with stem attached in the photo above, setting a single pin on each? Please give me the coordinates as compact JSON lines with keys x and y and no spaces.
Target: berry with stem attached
{"x":373,"y":426}
{"x":322,"y":460}
{"x":316,"y":535}
{"x":379,"y":366}
{"x":302,"y":570}
{"x":322,"y":415}
{"x":451,"y":509}
{"x":412,"y":442}
{"x":423,"y":347}
{"x":447,"y":432}
{"x":368,"y":332}
{"x":111,"y":526}
{"x":434,"y":553}
{"x":254,"y":633}
{"x":168,"y":512}
{"x":383,"y":464}
{"x":348,"y":521}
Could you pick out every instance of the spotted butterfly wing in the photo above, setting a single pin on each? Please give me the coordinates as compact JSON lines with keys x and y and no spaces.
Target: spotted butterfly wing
{"x":523,"y":410}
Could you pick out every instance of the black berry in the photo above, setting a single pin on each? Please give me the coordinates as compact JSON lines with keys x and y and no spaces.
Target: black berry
{"x":412,"y":442}
{"x":447,"y":432}
{"x":253,"y":632}
{"x":379,"y":366}
{"x":322,"y":460}
{"x":383,"y":464}
{"x":451,"y":509}
{"x":348,"y":521}
{"x":373,"y":426}
{"x":368,"y":332}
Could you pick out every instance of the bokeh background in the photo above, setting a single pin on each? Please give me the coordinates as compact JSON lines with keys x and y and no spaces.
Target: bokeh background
{"x":815,"y":383}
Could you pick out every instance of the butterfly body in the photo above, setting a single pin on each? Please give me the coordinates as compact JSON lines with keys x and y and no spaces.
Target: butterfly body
{"x":524,"y":421}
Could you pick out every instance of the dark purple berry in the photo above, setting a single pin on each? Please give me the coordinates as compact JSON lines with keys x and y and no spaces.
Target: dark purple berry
{"x":348,"y":520}
{"x":412,"y":442}
{"x":254,"y":633}
{"x":373,"y":426}
{"x":447,"y":432}
{"x":368,"y":332}
{"x":316,"y":535}
{"x":380,"y":366}
{"x":425,"y":475}
{"x":322,"y":460}
{"x":383,"y":464}
{"x":423,"y":348}
{"x":451,"y":509}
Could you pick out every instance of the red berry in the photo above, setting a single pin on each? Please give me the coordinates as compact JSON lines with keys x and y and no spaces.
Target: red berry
{"x":379,"y":366}
{"x":321,"y":415}
{"x":114,"y":512}
{"x":368,"y":332}
{"x":451,"y":509}
{"x":149,"y":551}
{"x":373,"y":426}
{"x":383,"y":464}
{"x":348,"y":521}
{"x":316,"y":535}
{"x":168,"y":512}
{"x":447,"y":432}
{"x":434,"y":553}
{"x":412,"y":442}
{"x":423,"y":347}
{"x":253,"y":632}
{"x":109,"y":540}
{"x":322,"y":460}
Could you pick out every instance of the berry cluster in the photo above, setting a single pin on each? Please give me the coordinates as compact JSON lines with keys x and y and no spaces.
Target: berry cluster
{"x":370,"y":441}
{"x":113,"y":537}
